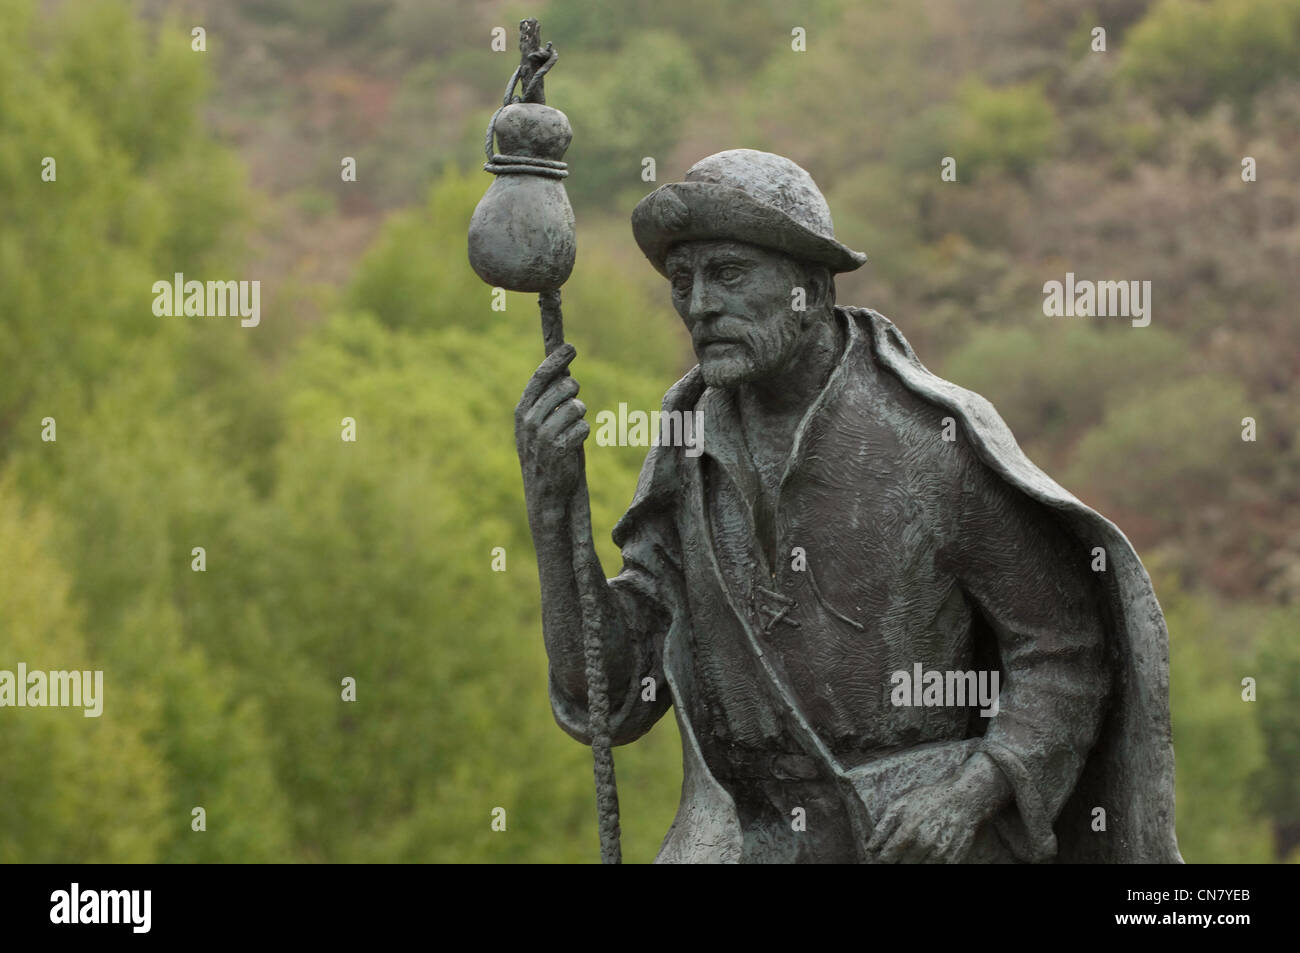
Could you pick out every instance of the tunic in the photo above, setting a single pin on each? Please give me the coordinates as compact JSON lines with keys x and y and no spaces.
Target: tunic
{"x":891,"y":546}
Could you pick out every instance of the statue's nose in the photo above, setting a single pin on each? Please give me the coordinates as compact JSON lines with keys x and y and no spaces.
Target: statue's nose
{"x":704,"y":302}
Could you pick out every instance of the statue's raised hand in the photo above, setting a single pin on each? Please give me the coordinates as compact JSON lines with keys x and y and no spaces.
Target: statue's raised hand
{"x":549,"y":431}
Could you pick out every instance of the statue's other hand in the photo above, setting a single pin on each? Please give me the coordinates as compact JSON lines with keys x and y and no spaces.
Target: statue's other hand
{"x":549,"y":432}
{"x":935,"y":824}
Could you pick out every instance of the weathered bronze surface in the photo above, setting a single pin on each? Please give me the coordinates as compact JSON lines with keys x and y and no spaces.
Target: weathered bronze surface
{"x":854,"y":528}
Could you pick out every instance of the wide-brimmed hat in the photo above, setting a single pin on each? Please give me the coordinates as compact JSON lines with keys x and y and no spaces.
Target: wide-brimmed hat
{"x":747,"y":196}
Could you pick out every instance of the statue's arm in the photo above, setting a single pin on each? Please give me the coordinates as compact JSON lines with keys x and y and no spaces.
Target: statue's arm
{"x":1029,"y":579}
{"x":635,"y":613}
{"x":549,"y":434}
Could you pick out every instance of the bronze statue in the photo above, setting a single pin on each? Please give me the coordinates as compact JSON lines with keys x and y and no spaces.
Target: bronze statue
{"x":885,"y":634}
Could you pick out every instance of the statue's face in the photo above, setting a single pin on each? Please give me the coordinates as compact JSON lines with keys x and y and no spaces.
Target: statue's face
{"x":736,"y":302}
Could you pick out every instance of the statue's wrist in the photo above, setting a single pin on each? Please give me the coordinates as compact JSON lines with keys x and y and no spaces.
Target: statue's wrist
{"x":987,"y":785}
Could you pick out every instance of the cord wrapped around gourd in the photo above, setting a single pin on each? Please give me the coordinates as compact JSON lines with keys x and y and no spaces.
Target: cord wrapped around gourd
{"x":522,"y":236}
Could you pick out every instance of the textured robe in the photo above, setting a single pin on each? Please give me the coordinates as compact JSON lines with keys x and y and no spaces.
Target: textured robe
{"x":955,"y":554}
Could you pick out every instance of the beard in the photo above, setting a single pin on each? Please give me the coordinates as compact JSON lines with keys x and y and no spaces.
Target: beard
{"x":730,"y":370}
{"x":752,"y":355}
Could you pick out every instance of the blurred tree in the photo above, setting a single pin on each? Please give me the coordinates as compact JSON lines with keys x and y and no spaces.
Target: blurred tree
{"x":416,"y":276}
{"x":381,"y":570}
{"x":1166,"y":451}
{"x":138,"y":482}
{"x":140,"y":193}
{"x":623,"y":107}
{"x":335,"y":19}
{"x":1277,"y":785}
{"x":76,"y":789}
{"x":1217,"y":743}
{"x":728,"y":38}
{"x":1008,"y":129}
{"x":1192,"y":54}
{"x":1055,"y":379}
{"x":373,"y":559}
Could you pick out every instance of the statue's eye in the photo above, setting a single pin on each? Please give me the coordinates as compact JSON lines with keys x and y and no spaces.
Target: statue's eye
{"x":730,"y":272}
{"x":682,"y":285}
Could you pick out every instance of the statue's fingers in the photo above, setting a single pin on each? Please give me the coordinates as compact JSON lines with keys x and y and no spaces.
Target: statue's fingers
{"x":940,"y":846}
{"x":958,"y":847}
{"x":899,"y":842}
{"x":575,"y":435}
{"x":560,"y":420}
{"x":554,"y":366}
{"x":885,"y":826}
{"x":920,"y":847}
{"x":556,"y":394}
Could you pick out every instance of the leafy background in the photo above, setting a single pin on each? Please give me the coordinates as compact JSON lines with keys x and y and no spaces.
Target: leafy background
{"x":372,"y":560}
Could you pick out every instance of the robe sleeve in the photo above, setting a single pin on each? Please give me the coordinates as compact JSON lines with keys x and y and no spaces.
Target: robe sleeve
{"x":646,"y":595}
{"x":1030,"y":580}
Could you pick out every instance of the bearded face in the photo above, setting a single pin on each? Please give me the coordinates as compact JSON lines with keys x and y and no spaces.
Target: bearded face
{"x":737,"y":302}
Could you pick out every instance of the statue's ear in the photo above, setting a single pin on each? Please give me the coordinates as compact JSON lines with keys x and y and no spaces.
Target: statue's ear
{"x":820,"y":285}
{"x":827,"y":287}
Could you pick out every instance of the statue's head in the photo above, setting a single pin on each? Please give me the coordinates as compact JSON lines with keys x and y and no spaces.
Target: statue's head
{"x":735,"y":240}
{"x":736,"y":300}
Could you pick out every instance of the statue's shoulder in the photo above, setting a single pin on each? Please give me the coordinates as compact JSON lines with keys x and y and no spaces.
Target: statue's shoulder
{"x":886,"y":382}
{"x":978,"y":420}
{"x":891,"y":351}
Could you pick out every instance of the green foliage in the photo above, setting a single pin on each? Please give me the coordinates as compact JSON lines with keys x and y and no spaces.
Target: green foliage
{"x":728,"y":36}
{"x":1008,"y":129}
{"x":1163,"y":451}
{"x":140,"y":193}
{"x":1278,"y":684}
{"x":623,"y":107}
{"x":417,"y":277}
{"x":1056,"y":378}
{"x":1192,"y":54}
{"x":405,"y":603}
{"x":836,"y":108}
{"x":1217,"y":741}
{"x":336,"y":19}
{"x":138,"y":482}
{"x":408,"y":605}
{"x":372,"y":559}
{"x":76,"y":789}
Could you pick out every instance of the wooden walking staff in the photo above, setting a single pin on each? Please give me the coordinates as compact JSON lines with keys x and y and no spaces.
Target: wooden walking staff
{"x":522,"y":238}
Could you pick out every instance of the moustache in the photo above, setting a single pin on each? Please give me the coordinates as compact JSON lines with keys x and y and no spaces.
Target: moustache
{"x":703,"y":339}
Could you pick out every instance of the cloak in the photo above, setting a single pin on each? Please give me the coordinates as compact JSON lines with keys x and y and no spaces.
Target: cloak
{"x":1130,"y":769}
